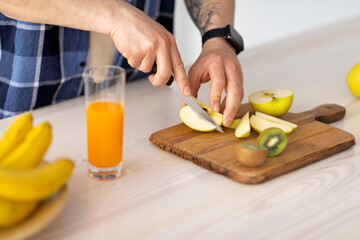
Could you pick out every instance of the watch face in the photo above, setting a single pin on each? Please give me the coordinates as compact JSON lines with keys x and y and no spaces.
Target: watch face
{"x":234,"y":38}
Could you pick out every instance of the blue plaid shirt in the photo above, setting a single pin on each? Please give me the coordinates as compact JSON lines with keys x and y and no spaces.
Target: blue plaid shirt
{"x":42,"y":64}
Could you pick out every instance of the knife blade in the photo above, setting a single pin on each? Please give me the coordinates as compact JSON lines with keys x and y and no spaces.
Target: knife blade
{"x":191,"y":102}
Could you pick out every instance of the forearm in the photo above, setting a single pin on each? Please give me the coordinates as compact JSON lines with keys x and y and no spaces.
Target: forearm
{"x":90,"y":15}
{"x":209,"y":14}
{"x":140,"y":39}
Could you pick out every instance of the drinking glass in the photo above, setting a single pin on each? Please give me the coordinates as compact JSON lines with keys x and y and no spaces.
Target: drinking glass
{"x":104,"y":100}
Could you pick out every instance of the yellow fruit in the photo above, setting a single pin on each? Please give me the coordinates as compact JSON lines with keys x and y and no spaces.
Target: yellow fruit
{"x":203,"y":106}
{"x":243,"y":128}
{"x":21,"y":147}
{"x":274,"y":102}
{"x":15,"y":212}
{"x":218,"y":118}
{"x":15,"y":134}
{"x":275,"y":119}
{"x":234,"y":123}
{"x":34,"y":185}
{"x":260,"y":124}
{"x":353,"y":80}
{"x":193,"y":121}
{"x":29,"y":153}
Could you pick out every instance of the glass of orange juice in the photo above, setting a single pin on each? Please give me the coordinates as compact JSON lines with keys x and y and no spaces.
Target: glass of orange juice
{"x":104,"y":100}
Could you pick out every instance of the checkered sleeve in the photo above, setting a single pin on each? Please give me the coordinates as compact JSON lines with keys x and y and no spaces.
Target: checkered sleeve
{"x":39,"y":64}
{"x":42,"y":64}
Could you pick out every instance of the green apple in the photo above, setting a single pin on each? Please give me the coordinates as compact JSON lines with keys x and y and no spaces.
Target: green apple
{"x":275,"y":119}
{"x":274,"y":102}
{"x":234,"y":123}
{"x":218,"y":118}
{"x":193,"y":121}
{"x":259,"y":124}
{"x":243,"y":128}
{"x":204,"y":106}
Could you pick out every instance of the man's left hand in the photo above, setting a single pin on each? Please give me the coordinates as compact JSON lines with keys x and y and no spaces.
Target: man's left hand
{"x":219,"y":64}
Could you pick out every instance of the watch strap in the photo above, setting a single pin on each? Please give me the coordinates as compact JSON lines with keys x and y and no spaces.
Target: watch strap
{"x":216,"y":32}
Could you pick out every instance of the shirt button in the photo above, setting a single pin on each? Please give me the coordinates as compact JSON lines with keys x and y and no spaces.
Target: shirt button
{"x":82,"y":64}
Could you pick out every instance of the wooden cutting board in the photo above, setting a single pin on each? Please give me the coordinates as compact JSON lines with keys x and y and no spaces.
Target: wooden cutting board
{"x":312,"y":141}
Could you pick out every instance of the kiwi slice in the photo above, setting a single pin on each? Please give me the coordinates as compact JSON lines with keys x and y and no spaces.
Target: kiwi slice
{"x":274,"y":140}
{"x":251,"y":155}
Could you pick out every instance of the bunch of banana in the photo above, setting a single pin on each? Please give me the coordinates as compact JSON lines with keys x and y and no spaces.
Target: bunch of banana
{"x":24,"y":184}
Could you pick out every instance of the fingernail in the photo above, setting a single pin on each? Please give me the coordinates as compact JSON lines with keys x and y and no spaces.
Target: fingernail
{"x":187,"y":91}
{"x":216,"y":107}
{"x":227,"y":122}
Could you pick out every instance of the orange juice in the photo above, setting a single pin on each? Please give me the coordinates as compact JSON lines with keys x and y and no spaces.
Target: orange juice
{"x":105,"y":133}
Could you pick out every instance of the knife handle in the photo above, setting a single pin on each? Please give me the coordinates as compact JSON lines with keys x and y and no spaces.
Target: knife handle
{"x":154,"y":70}
{"x":170,"y":81}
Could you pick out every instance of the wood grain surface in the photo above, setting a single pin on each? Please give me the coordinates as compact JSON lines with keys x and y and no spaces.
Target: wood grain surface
{"x":311,"y":141}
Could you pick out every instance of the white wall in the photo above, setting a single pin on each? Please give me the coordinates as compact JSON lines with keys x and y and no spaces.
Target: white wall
{"x":264,"y":21}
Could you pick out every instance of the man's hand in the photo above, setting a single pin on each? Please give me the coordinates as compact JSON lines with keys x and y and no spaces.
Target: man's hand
{"x":219,"y":64}
{"x":142,"y":41}
{"x":139,"y":38}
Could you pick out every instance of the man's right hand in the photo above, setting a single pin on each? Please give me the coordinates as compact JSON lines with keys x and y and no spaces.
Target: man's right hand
{"x":142,"y":41}
{"x":137,"y":37}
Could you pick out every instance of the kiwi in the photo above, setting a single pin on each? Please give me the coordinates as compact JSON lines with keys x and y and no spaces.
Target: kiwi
{"x":251,"y":155}
{"x":274,"y":140}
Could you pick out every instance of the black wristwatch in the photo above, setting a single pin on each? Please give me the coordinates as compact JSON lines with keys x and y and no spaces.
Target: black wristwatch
{"x":229,"y":34}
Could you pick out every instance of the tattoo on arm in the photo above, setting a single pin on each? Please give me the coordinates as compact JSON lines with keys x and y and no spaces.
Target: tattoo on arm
{"x":201,"y":12}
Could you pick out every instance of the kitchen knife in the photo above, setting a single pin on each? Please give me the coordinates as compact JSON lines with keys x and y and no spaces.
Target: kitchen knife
{"x":191,"y":102}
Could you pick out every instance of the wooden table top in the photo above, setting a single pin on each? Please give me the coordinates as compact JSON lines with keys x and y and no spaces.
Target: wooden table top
{"x":161,"y":196}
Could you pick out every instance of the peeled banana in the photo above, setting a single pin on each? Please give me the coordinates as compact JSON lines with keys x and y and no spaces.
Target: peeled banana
{"x":14,"y":212}
{"x":35,"y":185}
{"x":15,"y":134}
{"x":29,"y":153}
